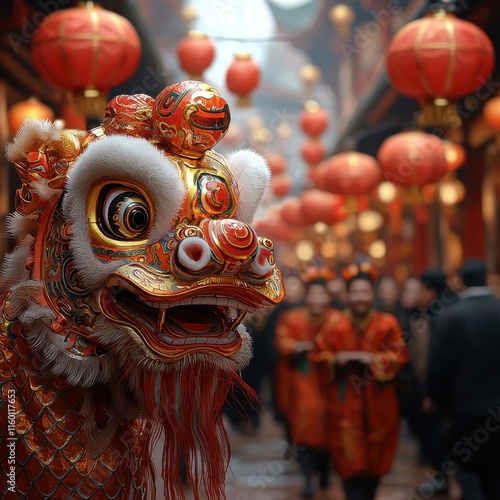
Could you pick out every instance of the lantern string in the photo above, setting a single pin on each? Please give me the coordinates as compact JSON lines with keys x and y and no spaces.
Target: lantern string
{"x":175,"y":35}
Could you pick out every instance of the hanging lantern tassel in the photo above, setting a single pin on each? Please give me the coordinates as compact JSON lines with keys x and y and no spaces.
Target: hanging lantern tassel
{"x":86,"y":50}
{"x":242,"y":78}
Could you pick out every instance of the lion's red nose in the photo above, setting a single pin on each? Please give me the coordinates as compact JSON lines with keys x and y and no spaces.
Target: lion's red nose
{"x":224,"y":246}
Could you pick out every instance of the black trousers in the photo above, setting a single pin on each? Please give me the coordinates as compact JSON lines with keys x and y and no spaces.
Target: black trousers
{"x":477,"y":452}
{"x":312,"y":460}
{"x":360,"y":487}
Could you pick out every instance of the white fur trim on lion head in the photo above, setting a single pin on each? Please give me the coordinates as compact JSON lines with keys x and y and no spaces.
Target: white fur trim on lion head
{"x":253,"y":178}
{"x":127,"y":159}
{"x":30,"y":136}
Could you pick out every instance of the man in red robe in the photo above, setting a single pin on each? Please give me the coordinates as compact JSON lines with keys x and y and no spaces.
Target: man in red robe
{"x":359,"y":353}
{"x":297,"y":381}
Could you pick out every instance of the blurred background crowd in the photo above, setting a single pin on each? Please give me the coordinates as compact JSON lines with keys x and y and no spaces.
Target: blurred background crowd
{"x":343,"y":358}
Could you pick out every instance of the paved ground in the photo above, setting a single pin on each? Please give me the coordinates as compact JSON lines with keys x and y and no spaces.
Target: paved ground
{"x":263,"y":468}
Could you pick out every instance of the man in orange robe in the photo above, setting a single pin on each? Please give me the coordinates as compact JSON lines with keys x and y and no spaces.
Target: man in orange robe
{"x":358,"y":354}
{"x":298,"y":389}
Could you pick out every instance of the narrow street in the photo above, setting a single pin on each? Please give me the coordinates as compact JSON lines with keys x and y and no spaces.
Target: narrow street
{"x":263,"y":467}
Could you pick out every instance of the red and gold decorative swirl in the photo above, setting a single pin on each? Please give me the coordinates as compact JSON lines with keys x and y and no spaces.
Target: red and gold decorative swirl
{"x":230,"y":239}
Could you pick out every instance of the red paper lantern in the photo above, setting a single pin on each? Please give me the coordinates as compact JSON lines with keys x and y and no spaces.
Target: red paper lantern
{"x":86,"y":50}
{"x":320,"y":206}
{"x":313,"y":151}
{"x":491,"y":113}
{"x":242,"y":77}
{"x":276,"y":163}
{"x":412,"y":158}
{"x":349,"y":173}
{"x":291,"y":212}
{"x":196,"y":53}
{"x":281,"y":185}
{"x":313,"y":120}
{"x":276,"y":229}
{"x":437,"y":60}
{"x":30,"y":108}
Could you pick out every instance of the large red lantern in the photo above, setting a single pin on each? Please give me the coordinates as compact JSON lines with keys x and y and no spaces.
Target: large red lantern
{"x":30,"y":108}
{"x":242,"y":77}
{"x":413,"y":158}
{"x":87,"y":50}
{"x":349,"y":173}
{"x":320,"y":206}
{"x":196,"y":53}
{"x":437,"y":60}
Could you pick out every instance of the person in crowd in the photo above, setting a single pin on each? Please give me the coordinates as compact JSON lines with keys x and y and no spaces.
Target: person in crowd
{"x":299,"y":398}
{"x":463,"y":378}
{"x":242,"y":412}
{"x":409,"y":387}
{"x":359,"y":352}
{"x":387,"y":295}
{"x":435,"y":298}
{"x":337,"y":289}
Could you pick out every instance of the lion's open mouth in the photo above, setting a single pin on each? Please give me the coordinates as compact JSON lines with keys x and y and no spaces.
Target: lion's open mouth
{"x":196,"y":323}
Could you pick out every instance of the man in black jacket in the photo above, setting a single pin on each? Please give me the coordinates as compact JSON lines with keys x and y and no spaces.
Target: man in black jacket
{"x":463,"y":377}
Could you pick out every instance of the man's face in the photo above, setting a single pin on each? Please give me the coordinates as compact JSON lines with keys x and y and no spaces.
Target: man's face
{"x":412,"y":292}
{"x":388,"y":291}
{"x":317,"y":299}
{"x":360,"y":297}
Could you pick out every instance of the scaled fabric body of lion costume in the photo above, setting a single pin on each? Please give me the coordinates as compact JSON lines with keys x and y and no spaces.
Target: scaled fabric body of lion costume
{"x":121,"y":309}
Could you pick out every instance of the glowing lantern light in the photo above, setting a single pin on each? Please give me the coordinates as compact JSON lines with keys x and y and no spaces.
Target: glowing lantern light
{"x":377,"y":249}
{"x":491,"y":113}
{"x":455,"y":155}
{"x":369,"y":221}
{"x":451,"y":192}
{"x":386,"y":192}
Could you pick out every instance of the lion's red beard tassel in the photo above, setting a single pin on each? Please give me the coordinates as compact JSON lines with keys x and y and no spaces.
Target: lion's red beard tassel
{"x":186,"y":405}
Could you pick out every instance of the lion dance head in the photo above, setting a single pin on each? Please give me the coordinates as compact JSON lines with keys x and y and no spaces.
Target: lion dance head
{"x":136,"y":265}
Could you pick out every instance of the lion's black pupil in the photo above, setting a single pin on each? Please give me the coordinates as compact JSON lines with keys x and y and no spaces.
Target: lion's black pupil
{"x":138,"y":218}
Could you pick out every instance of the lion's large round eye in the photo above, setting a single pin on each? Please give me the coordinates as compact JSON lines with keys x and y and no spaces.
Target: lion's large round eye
{"x":124,"y":214}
